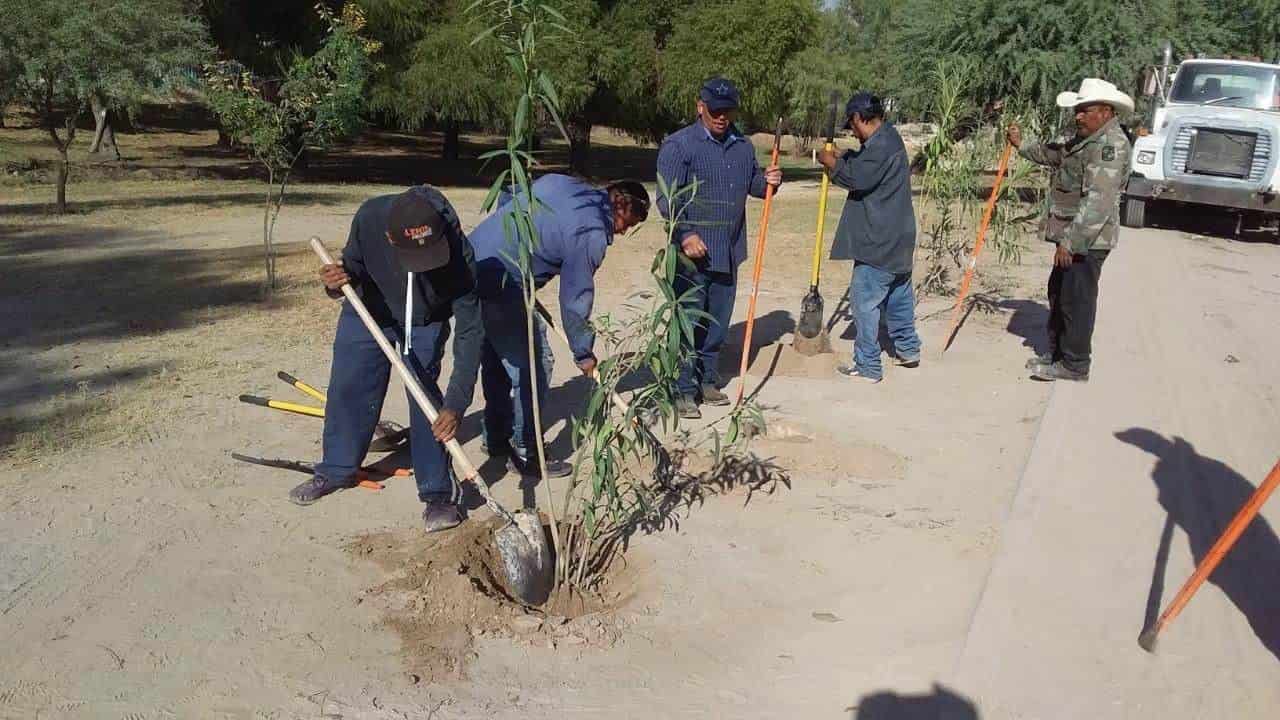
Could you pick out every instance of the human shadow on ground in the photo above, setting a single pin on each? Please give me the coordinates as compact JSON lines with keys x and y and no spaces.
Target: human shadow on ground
{"x":1029,"y":320}
{"x":768,"y":329}
{"x":941,"y":704}
{"x":1201,"y":495}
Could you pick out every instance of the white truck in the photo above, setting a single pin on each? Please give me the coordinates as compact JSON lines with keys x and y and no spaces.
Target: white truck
{"x":1214,"y":140}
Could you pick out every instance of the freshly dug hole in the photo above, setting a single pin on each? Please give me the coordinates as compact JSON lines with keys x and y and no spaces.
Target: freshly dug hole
{"x":446,"y":590}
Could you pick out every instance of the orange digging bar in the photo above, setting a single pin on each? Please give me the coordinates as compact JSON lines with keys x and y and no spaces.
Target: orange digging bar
{"x":755,"y":273}
{"x":1219,"y":550}
{"x":977,"y":246}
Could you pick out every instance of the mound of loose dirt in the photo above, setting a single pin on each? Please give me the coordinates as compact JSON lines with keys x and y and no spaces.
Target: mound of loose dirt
{"x":447,"y":590}
{"x":782,"y":359}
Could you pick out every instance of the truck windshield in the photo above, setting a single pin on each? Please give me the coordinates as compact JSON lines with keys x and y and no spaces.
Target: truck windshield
{"x":1228,"y":85}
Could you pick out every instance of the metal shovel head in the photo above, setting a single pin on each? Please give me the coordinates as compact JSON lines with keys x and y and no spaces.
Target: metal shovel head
{"x":526,"y":558}
{"x":810,"y":325}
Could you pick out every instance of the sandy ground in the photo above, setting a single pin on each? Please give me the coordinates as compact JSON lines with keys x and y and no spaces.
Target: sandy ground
{"x":156,"y":577}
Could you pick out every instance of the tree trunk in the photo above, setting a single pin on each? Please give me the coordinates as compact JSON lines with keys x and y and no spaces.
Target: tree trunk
{"x":579,"y":145}
{"x":451,"y":141}
{"x":104,"y":135}
{"x":63,"y":171}
{"x":268,"y":251}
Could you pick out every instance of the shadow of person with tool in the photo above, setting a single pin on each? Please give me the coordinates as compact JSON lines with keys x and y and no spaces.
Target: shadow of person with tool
{"x":941,"y":704}
{"x":1202,"y":495}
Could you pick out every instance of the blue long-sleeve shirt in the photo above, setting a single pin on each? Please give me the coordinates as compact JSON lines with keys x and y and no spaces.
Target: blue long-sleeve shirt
{"x":375,"y":271}
{"x":575,"y":228}
{"x":878,"y":224}
{"x":726,"y":172}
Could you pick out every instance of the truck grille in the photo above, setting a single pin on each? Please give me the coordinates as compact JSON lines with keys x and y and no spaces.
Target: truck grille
{"x":1210,"y":151}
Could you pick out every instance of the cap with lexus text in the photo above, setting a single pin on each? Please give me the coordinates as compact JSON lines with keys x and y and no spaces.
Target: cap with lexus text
{"x":418,"y":232}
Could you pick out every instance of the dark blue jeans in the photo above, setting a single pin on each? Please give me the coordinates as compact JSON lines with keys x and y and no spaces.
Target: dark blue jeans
{"x":504,"y":371}
{"x":875,"y":291}
{"x":357,"y":388}
{"x":714,"y":294}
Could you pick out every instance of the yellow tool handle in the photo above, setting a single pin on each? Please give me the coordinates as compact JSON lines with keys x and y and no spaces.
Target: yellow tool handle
{"x":305,"y":388}
{"x":282,"y":405}
{"x":822,"y":221}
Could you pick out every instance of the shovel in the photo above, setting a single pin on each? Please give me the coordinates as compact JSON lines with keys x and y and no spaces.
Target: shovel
{"x":759,"y":267}
{"x":521,"y":544}
{"x":810,"y":334}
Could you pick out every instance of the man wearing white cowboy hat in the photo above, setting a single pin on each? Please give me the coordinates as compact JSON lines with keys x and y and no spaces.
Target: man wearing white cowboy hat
{"x":1089,"y":172}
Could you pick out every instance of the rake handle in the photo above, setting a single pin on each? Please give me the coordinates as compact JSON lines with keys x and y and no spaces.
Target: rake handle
{"x":469,"y":472}
{"x":982,"y":240}
{"x":1216,"y":553}
{"x":759,"y":266}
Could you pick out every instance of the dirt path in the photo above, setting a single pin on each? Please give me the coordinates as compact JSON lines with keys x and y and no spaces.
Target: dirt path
{"x":1132,"y":479}
{"x":159,"y":578}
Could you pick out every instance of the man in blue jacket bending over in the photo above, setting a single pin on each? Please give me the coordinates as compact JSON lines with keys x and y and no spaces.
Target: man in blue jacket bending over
{"x":576,"y":223}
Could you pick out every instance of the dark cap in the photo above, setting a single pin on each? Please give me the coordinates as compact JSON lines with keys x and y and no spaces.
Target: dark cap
{"x":719,"y":94}
{"x":418,"y":232}
{"x":864,"y":104}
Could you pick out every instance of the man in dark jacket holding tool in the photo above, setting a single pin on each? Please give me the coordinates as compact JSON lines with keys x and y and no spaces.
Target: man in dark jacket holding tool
{"x":414,"y":269}
{"x":878,"y":231}
{"x":712,"y":230}
{"x":576,"y":223}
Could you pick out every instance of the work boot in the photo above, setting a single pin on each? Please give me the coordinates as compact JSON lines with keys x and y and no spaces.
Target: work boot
{"x":908,"y":362}
{"x":852,"y":373}
{"x":317,"y":487}
{"x":528,"y":466}
{"x":687,"y":407}
{"x":441,"y":515}
{"x":1048,"y":372}
{"x":711,"y":395}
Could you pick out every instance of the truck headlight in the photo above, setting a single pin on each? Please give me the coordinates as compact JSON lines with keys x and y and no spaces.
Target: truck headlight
{"x":1146,"y":157}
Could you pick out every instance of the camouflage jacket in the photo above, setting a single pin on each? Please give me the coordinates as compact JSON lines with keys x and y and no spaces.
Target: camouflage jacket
{"x":1084,"y":193}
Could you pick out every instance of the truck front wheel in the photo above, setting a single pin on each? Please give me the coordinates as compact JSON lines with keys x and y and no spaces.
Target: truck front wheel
{"x":1135,"y":212}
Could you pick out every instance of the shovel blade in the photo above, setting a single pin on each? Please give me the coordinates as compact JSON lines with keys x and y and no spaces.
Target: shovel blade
{"x":526,"y":558}
{"x":810,"y":325}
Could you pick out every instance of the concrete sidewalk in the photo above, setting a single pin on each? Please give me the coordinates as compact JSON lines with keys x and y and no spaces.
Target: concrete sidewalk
{"x":1132,"y":478}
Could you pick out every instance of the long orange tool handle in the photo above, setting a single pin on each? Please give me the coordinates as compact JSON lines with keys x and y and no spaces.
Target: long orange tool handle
{"x":1219,"y":550}
{"x":977,"y":246}
{"x":755,"y":273}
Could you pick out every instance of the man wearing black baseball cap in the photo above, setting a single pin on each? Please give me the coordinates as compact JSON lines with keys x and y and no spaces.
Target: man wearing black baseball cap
{"x":712,"y":230}
{"x":878,"y":232}
{"x":414,"y":269}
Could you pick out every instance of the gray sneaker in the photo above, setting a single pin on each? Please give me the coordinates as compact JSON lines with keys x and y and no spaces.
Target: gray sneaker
{"x":711,"y":395}
{"x":687,"y":408}
{"x":852,"y":373}
{"x":441,"y":515}
{"x":908,"y":362}
{"x":1045,"y":359}
{"x":317,"y":487}
{"x":1057,"y":371}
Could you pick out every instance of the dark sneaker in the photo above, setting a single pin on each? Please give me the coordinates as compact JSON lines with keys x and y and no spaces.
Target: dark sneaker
{"x":687,"y":407}
{"x":1056,"y":371}
{"x":908,"y":362}
{"x":711,"y":395}
{"x":529,"y":466}
{"x":316,"y":488}
{"x":852,"y":373}
{"x":441,"y":515}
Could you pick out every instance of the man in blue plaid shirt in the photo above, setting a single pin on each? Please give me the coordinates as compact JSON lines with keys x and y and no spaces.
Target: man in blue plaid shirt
{"x":712,"y":230}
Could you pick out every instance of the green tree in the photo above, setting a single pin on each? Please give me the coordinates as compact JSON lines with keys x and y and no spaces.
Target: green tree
{"x":1036,"y":49}
{"x":319,"y":102}
{"x":61,"y":58}
{"x":748,"y":41}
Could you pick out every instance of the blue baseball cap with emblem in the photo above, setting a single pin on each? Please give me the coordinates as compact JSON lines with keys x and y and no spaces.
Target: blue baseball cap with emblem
{"x":719,"y":94}
{"x":863,"y":103}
